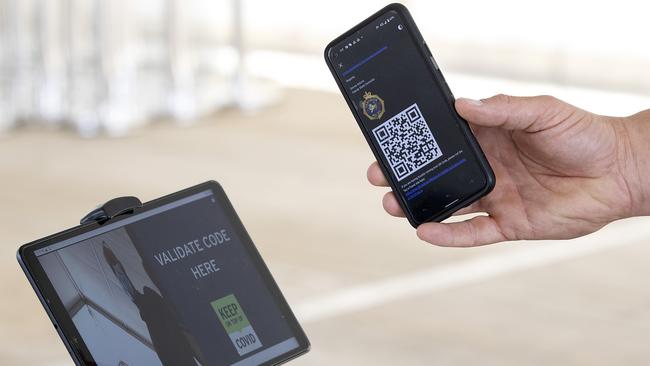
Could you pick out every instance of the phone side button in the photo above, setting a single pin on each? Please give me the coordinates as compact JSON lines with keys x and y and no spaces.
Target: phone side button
{"x":434,"y":63}
{"x":450,"y":95}
{"x":426,"y":47}
{"x":433,"y":60}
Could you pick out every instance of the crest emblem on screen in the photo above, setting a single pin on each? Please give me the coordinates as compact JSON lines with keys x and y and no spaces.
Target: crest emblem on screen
{"x":372,"y":106}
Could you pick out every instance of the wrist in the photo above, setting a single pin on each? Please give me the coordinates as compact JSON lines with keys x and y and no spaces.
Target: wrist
{"x":633,"y":135}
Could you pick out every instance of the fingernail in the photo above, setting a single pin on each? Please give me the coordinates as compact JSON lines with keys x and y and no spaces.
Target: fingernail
{"x":471,"y":101}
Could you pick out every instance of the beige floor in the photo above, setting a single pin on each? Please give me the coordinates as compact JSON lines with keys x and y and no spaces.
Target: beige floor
{"x":296,"y":174}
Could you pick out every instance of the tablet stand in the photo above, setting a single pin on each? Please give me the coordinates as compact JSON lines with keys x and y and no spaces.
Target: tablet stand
{"x":113,"y":208}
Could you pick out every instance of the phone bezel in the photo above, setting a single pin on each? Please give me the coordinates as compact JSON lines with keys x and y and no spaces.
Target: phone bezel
{"x":61,"y":319}
{"x":426,"y":56}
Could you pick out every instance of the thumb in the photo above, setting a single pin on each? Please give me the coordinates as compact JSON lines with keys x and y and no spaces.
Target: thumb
{"x":531,"y":114}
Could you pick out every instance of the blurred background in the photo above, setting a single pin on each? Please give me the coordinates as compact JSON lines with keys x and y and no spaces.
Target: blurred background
{"x":106,"y":98}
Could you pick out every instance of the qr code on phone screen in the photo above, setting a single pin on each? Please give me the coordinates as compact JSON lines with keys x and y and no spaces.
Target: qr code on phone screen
{"x":407,"y":142}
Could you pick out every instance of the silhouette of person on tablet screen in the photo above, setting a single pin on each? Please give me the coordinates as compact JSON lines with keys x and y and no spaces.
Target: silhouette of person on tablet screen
{"x":170,"y":341}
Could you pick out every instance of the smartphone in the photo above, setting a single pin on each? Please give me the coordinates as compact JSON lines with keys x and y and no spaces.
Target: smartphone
{"x":406,"y":112}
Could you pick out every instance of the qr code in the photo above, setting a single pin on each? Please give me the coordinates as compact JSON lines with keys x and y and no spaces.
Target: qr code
{"x":407,"y":142}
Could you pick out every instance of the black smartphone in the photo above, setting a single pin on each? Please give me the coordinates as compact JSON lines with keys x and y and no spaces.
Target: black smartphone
{"x":406,"y":111}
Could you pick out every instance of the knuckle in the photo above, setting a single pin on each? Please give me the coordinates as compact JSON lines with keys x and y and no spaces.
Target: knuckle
{"x":548,"y":99}
{"x":503,"y":98}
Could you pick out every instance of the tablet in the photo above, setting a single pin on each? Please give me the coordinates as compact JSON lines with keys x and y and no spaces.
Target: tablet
{"x":176,"y":282}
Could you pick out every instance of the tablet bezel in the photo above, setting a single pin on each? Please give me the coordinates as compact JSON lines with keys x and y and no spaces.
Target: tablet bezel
{"x":60,"y":317}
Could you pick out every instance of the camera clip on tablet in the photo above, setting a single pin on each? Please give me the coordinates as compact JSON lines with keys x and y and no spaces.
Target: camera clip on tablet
{"x":113,"y":208}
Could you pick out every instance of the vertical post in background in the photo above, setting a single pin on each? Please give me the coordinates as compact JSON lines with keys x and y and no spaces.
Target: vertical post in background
{"x":238,"y":45}
{"x":22,"y":48}
{"x":49,"y":73}
{"x":85,"y":80}
{"x":8,"y":30}
{"x":66,"y":55}
{"x":249,"y":95}
{"x":182,"y":97}
{"x":118,"y":106}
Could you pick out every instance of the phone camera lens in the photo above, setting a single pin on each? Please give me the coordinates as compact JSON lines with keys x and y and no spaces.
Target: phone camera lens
{"x":400,"y":27}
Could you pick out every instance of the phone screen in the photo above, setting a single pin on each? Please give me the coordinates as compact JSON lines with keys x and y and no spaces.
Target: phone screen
{"x":407,"y":116}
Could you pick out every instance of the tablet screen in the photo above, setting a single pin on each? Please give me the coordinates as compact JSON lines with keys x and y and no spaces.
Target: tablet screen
{"x":173,"y":285}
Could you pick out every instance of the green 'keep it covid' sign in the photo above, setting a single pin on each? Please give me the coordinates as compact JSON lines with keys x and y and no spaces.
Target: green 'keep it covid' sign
{"x":236,"y":324}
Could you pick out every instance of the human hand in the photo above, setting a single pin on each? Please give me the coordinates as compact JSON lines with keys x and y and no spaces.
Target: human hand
{"x":561,"y":172}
